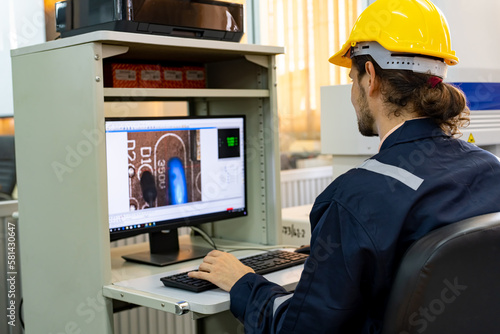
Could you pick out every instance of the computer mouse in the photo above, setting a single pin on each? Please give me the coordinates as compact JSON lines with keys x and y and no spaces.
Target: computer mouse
{"x":304,"y":249}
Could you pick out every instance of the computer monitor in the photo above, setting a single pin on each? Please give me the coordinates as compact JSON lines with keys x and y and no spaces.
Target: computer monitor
{"x":164,"y":173}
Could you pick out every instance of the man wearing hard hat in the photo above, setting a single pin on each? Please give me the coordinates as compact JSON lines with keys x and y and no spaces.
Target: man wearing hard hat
{"x":421,"y":179}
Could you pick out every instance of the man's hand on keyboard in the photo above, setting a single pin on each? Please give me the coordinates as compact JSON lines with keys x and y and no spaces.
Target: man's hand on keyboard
{"x":222,"y":269}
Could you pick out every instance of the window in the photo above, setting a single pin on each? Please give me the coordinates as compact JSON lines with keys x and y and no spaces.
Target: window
{"x":6,"y":126}
{"x":311,"y":31}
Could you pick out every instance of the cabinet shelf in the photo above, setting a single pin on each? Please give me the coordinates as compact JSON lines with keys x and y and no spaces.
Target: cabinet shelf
{"x":61,"y":105}
{"x":179,"y":93}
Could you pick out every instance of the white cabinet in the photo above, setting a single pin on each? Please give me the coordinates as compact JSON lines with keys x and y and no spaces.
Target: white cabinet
{"x":59,"y":100}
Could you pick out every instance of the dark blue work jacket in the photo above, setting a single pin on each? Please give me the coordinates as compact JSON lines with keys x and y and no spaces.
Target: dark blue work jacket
{"x":362,"y":224}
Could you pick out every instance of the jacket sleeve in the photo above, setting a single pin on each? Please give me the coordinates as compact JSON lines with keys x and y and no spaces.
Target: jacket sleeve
{"x":335,"y":288}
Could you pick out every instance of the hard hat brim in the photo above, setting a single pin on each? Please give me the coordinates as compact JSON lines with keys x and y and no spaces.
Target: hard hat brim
{"x":340,"y":58}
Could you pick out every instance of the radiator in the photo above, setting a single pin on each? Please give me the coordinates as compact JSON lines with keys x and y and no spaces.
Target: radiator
{"x":298,"y":187}
{"x":302,"y":186}
{"x":143,"y":320}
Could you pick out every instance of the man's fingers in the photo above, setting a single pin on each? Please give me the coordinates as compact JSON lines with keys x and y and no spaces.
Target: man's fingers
{"x":212,"y":256}
{"x":221,"y":269}
{"x":215,"y":253}
{"x":198,"y":274}
{"x":209,"y":259}
{"x":204,"y":267}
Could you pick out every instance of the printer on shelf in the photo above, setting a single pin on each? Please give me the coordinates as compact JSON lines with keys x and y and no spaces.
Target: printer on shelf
{"x":204,"y":19}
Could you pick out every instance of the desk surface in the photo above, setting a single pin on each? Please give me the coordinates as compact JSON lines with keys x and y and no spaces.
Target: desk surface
{"x":140,"y":284}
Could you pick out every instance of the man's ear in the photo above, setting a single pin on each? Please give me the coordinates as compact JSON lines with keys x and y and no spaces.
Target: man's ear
{"x":373,"y":80}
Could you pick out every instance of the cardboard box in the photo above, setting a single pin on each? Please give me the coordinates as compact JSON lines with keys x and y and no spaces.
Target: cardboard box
{"x":173,"y":77}
{"x":150,"y":76}
{"x":132,"y":75}
{"x":124,"y":75}
{"x":194,"y":77}
{"x":295,"y":226}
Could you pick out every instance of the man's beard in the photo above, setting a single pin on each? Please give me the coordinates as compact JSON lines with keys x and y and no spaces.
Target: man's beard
{"x":366,"y":121}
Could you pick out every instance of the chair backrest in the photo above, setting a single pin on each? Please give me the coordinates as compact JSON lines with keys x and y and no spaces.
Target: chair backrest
{"x":449,"y":281}
{"x":7,"y":165}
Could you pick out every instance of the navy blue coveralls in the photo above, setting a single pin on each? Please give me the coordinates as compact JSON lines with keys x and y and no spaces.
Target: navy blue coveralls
{"x":362,"y":224}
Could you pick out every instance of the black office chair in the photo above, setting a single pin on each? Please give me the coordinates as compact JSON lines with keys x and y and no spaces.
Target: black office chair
{"x":449,"y":281}
{"x":7,"y":167}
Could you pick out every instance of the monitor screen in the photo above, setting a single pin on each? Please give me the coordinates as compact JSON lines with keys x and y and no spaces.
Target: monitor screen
{"x":164,"y":173}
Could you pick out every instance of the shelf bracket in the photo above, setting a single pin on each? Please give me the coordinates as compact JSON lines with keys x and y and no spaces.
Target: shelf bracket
{"x":113,"y":50}
{"x":259,"y":60}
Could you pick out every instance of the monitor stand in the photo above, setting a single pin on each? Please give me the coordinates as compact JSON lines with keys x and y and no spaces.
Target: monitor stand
{"x":165,"y":249}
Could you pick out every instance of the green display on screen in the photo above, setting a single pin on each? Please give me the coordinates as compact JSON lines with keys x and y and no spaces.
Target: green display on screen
{"x":232,"y":141}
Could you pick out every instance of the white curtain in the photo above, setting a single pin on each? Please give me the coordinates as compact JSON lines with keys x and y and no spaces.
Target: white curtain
{"x":311,"y":31}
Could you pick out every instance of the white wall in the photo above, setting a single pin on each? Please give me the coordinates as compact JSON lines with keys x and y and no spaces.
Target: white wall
{"x":22,"y":23}
{"x":473,"y":29}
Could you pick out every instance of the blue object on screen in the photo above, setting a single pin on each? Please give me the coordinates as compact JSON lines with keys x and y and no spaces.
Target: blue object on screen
{"x":168,"y":172}
{"x":177,"y":187}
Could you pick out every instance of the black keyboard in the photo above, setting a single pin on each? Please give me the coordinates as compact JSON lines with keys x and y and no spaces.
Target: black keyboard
{"x":261,"y":263}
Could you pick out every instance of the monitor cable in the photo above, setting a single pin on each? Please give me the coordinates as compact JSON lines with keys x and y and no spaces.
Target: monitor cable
{"x":233,"y":248}
{"x":205,"y":236}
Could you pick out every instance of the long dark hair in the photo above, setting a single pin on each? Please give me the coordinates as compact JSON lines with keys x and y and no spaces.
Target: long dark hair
{"x":443,"y":102}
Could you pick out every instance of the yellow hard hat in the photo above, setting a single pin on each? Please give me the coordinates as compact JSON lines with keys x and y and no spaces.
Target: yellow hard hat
{"x":401,"y":26}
